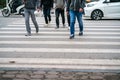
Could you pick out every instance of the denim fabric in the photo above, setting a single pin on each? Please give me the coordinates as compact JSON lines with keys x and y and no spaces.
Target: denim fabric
{"x":59,"y":11}
{"x":47,"y":15}
{"x":30,"y":13}
{"x":73,"y":15}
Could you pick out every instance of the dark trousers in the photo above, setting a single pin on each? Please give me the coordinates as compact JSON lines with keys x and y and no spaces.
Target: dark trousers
{"x":47,"y":16}
{"x":68,"y":19}
{"x":59,"y":11}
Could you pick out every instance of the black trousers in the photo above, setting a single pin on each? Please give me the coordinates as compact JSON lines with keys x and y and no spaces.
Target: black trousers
{"x":59,"y":11}
{"x":68,"y":19}
{"x":47,"y":16}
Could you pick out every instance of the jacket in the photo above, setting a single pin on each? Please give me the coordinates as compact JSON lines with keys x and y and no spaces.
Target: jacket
{"x":31,"y":4}
{"x":46,"y":4}
{"x":60,"y":4}
{"x":75,"y":4}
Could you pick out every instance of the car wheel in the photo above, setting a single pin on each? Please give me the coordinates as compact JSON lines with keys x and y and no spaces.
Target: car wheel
{"x":96,"y":15}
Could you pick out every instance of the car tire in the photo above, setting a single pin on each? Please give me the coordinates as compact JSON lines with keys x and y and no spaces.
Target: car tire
{"x":96,"y":15}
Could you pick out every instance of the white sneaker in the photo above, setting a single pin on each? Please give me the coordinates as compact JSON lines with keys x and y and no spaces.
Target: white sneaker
{"x":49,"y":22}
{"x":46,"y":25}
{"x":68,"y":27}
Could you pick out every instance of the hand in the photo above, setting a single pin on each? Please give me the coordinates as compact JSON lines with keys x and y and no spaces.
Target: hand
{"x":80,"y":10}
{"x":38,"y":10}
{"x":67,"y":12}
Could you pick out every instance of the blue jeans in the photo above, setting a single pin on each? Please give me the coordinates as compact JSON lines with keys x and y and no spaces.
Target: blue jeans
{"x":47,"y":15}
{"x":73,"y":15}
{"x":30,"y":13}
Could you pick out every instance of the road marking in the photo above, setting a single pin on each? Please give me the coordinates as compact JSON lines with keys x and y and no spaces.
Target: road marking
{"x":43,"y":32}
{"x":103,"y":64}
{"x":61,"y":61}
{"x":43,"y":28}
{"x":20,"y":24}
{"x":60,"y":50}
{"x":46,"y":37}
{"x":59,"y":42}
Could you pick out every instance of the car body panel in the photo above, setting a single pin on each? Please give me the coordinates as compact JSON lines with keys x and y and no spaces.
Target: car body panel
{"x":111,"y":10}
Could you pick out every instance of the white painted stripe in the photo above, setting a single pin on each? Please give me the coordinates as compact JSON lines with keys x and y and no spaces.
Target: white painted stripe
{"x":59,"y":42}
{"x":60,"y":50}
{"x":79,"y":67}
{"x":61,"y":27}
{"x":56,"y":32}
{"x":47,"y":28}
{"x":96,"y":29}
{"x":64,"y":64}
{"x":61,"y":61}
{"x":102,"y":26}
{"x":40,"y":36}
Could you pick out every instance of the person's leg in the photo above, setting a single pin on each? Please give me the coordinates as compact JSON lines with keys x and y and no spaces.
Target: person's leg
{"x":49,"y":15}
{"x":68,"y":19}
{"x":45,"y":15}
{"x":34,"y":20}
{"x":79,"y":18}
{"x":27,"y":14}
{"x":57,"y":17}
{"x":72,"y":23}
{"x":63,"y":17}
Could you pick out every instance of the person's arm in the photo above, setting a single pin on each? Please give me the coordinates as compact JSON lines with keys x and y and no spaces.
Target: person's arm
{"x":38,"y":4}
{"x":23,"y":1}
{"x":82,"y":3}
{"x":41,"y":3}
{"x":82,"y":6}
{"x":52,"y":2}
{"x":68,"y":5}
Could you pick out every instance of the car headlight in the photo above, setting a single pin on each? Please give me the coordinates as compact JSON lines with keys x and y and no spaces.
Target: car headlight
{"x":90,"y":5}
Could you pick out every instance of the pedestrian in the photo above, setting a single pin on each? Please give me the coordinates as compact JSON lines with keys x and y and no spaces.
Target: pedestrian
{"x":30,"y":7}
{"x":76,"y":9}
{"x":59,"y":9}
{"x":68,"y":16}
{"x":47,"y":5}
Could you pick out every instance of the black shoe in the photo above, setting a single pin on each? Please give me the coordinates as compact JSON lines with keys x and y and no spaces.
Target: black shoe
{"x":80,"y":33}
{"x":37,"y":30}
{"x":63,"y":25}
{"x":28,"y":34}
{"x":57,"y":27}
{"x":71,"y":36}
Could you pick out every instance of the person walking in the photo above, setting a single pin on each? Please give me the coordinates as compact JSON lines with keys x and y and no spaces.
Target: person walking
{"x":47,"y":5}
{"x":30,"y":6}
{"x":59,"y":9}
{"x":76,"y":9}
{"x":68,"y":16}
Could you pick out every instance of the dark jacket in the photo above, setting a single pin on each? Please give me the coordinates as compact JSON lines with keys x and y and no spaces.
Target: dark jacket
{"x":75,"y":4}
{"x":46,"y":4}
{"x":31,"y":4}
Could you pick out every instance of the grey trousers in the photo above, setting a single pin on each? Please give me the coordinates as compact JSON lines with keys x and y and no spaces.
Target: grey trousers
{"x":30,"y":13}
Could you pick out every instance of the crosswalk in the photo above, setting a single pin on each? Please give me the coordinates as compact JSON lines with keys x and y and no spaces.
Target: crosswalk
{"x":98,"y":48}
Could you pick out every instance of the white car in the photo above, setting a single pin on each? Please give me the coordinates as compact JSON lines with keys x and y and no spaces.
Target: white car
{"x":107,"y":9}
